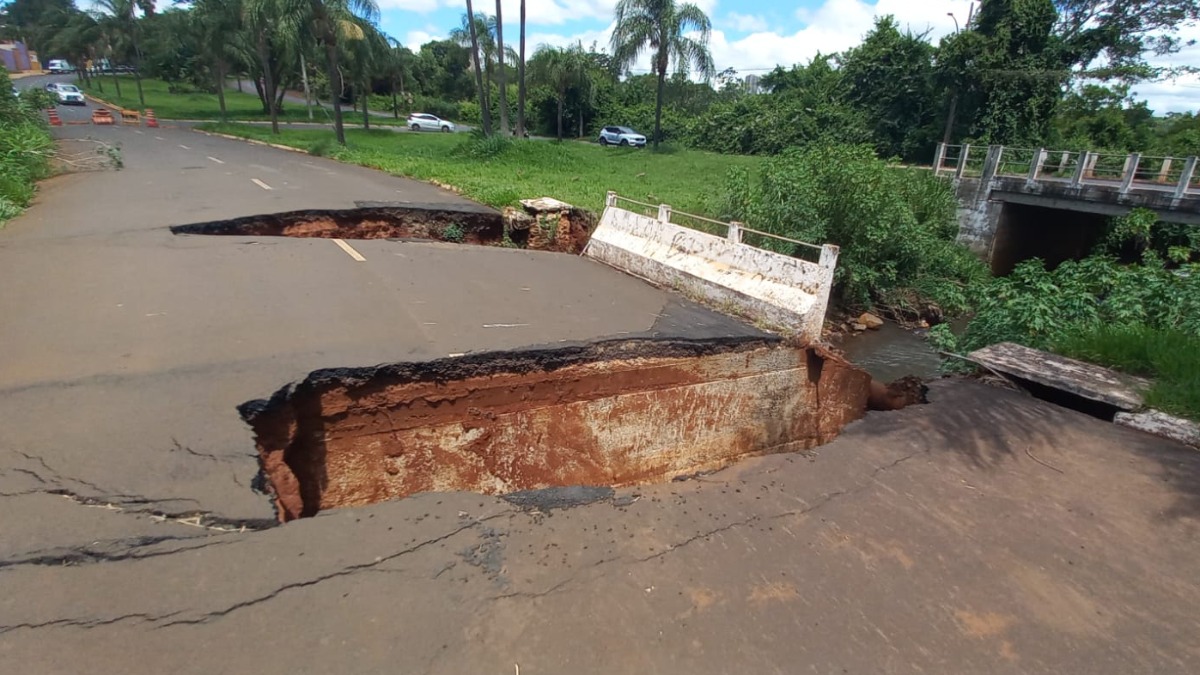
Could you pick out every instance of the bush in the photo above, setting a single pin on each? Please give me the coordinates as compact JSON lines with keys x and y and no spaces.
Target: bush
{"x":25,"y":148}
{"x":895,"y":227}
{"x":478,"y":146}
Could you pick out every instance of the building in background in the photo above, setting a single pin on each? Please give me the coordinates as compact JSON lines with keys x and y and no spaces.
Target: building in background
{"x":16,"y":57}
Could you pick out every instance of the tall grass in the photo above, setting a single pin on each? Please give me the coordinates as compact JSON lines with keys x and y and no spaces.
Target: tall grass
{"x":25,"y":149}
{"x":1171,"y":358}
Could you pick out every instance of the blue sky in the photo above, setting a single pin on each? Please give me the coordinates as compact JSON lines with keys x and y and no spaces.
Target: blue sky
{"x":750,"y":37}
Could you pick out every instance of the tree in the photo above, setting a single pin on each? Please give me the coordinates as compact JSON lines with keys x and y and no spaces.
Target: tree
{"x":889,"y":76}
{"x":503,"y":74}
{"x":214,"y":21}
{"x":120,"y":17}
{"x":559,"y":70}
{"x":485,"y":112}
{"x":664,"y":29}
{"x":331,"y":20}
{"x":521,"y":79}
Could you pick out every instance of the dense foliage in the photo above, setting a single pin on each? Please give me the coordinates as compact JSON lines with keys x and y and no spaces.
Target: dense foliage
{"x":25,"y":149}
{"x":895,"y":227}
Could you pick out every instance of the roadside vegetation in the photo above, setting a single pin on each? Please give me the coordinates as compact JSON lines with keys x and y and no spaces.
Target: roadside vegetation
{"x":25,"y":149}
{"x":1133,"y":305}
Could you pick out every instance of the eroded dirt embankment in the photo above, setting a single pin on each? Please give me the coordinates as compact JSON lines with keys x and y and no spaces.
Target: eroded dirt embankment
{"x":611,"y":413}
{"x":459,"y":224}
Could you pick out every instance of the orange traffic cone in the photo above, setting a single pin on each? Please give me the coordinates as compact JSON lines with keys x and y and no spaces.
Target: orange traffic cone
{"x":151,"y":121}
{"x":54,"y":119}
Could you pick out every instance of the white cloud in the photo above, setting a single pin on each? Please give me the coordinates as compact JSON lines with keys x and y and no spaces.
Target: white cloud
{"x":415,"y":38}
{"x":745,"y":22}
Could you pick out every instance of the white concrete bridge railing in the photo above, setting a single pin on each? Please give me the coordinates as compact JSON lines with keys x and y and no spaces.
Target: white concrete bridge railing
{"x":1121,"y":172}
{"x":720,"y":269}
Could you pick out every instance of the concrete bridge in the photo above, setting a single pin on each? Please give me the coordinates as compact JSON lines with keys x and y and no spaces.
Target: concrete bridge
{"x":1018,"y":203}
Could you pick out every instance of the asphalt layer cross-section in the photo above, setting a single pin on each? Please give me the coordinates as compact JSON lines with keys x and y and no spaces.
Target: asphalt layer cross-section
{"x":985,"y":532}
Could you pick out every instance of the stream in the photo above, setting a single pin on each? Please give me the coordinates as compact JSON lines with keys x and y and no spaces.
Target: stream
{"x":891,"y":353}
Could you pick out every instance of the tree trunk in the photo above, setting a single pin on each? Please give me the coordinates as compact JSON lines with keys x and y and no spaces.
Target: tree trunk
{"x":658,"y":105}
{"x":239,"y":79}
{"x":560,"y":115}
{"x":484,"y":114}
{"x":521,"y":79}
{"x":950,"y":119}
{"x":307,"y":95}
{"x":221,"y":88}
{"x":580,"y":130}
{"x":503,"y":75}
{"x":395,"y":106}
{"x":137,"y":74}
{"x":366,"y":113}
{"x":264,"y":56}
{"x":335,"y":85}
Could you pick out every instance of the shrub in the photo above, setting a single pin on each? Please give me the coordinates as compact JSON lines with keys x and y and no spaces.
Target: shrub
{"x":478,"y":146}
{"x":895,"y":227}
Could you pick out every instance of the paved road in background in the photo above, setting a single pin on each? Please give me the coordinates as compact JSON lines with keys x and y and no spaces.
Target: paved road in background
{"x":983,"y":532}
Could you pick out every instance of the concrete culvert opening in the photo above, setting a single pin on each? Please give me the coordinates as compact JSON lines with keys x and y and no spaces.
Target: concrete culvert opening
{"x":614,"y":413}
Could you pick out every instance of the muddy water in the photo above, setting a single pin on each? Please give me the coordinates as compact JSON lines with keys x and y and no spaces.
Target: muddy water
{"x":891,"y":353}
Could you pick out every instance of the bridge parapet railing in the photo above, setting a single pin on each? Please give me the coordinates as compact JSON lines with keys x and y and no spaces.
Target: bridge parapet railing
{"x":1124,"y":171}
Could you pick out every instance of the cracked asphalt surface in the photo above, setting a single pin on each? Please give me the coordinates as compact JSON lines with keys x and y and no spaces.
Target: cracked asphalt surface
{"x":983,"y":532}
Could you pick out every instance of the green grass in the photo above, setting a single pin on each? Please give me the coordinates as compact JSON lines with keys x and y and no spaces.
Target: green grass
{"x":205,"y":106}
{"x":574,"y":172}
{"x":1171,"y":358}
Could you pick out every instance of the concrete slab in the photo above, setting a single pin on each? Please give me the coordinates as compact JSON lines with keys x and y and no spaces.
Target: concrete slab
{"x":1086,"y":380}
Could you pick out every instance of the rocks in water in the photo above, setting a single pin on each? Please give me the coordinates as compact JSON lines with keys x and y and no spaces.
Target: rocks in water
{"x":902,"y":393}
{"x":871,"y":321}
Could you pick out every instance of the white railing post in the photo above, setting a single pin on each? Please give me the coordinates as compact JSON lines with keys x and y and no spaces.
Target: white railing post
{"x":1062,"y":161}
{"x":1130,"y":172}
{"x":829,"y":258}
{"x":664,"y":214}
{"x":1185,"y":180}
{"x":1035,"y":167}
{"x":960,"y":171}
{"x":1165,"y":171}
{"x":939,"y":158}
{"x":611,"y":199}
{"x":735,"y":232}
{"x":991,"y":165}
{"x":1090,"y":171}
{"x":1081,"y":168}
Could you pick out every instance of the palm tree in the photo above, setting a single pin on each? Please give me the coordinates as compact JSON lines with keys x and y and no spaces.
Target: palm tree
{"x":271,"y":23}
{"x":665,"y":30}
{"x":368,"y":54}
{"x":331,"y":20}
{"x":559,"y":70}
{"x":521,"y":79}
{"x":503,"y":75}
{"x":215,"y":21}
{"x":485,"y":113}
{"x":120,"y":17}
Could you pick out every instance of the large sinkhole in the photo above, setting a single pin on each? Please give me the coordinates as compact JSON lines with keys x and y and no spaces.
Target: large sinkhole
{"x":616,"y":413}
{"x":566,"y":230}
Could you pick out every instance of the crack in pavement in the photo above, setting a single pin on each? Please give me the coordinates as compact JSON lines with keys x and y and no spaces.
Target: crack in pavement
{"x":86,"y":623}
{"x":346,"y":571}
{"x":86,"y":555}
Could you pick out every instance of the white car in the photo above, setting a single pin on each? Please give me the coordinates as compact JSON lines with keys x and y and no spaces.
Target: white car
{"x":66,"y":94}
{"x":427,"y":122}
{"x":621,"y":136}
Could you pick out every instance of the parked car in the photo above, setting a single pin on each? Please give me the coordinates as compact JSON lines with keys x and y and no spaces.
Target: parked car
{"x":59,"y":67}
{"x":621,"y":136}
{"x":66,"y":94}
{"x":427,"y":122}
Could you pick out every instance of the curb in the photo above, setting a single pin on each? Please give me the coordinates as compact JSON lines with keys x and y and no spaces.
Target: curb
{"x":251,"y":141}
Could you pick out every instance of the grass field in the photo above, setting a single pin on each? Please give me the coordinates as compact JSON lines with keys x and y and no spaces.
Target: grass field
{"x":574,"y":172}
{"x":205,"y":106}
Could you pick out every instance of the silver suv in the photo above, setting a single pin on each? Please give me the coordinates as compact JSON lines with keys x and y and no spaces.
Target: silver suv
{"x":621,"y":136}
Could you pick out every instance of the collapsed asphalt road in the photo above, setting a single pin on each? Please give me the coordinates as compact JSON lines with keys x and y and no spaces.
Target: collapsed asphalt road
{"x":983,"y":532}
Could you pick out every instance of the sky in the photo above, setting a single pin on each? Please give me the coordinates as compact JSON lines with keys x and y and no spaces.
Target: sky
{"x":751,"y":37}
